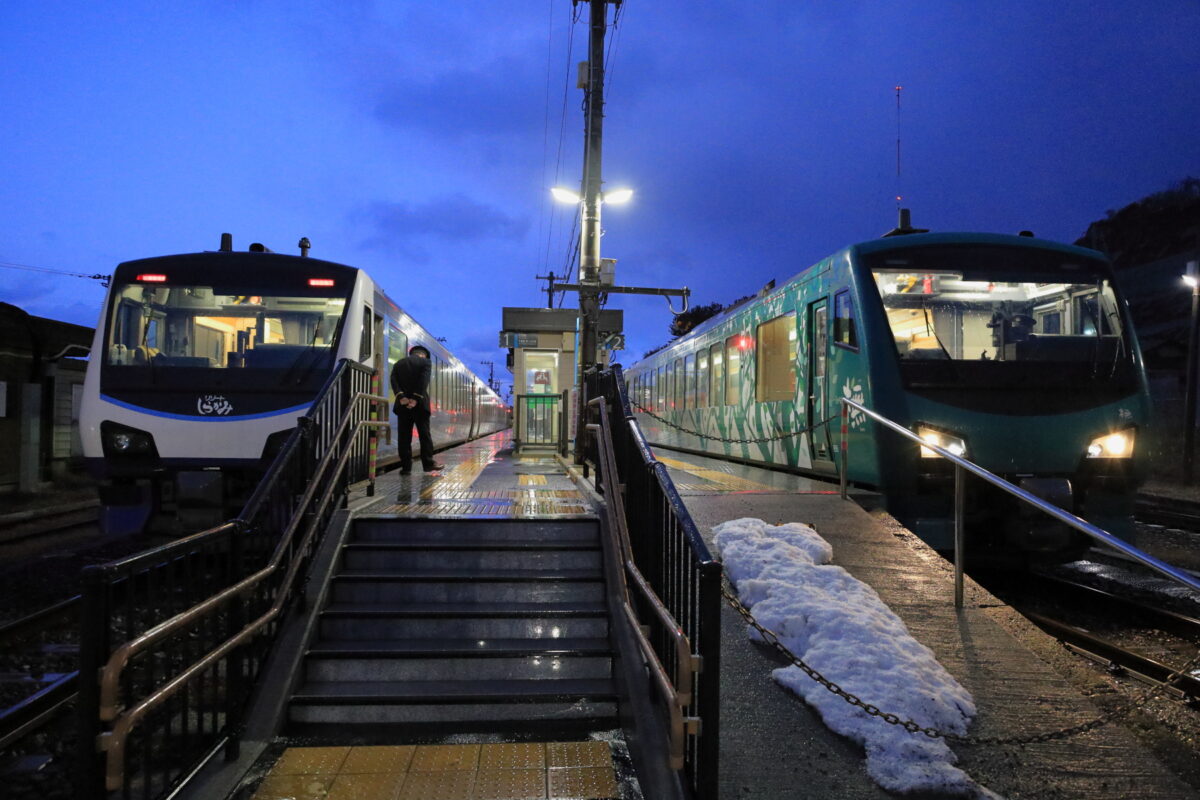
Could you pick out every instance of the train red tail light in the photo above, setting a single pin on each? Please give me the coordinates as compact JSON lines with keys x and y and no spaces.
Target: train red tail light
{"x":150,"y":277}
{"x":320,"y":281}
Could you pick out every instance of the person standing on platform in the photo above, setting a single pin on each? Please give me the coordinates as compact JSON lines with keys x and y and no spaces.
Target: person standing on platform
{"x":410,"y":382}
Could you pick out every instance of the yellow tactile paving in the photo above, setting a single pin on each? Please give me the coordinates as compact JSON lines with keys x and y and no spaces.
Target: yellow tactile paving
{"x":441,"y":785}
{"x":445,"y":756}
{"x":506,"y":771}
{"x":722,"y":479}
{"x":295,"y":787}
{"x":531,"y":480}
{"x":578,"y":754}
{"x":510,"y":784}
{"x":378,"y":759}
{"x":311,"y":761}
{"x":378,"y":786}
{"x":576,"y":782}
{"x":514,"y":755}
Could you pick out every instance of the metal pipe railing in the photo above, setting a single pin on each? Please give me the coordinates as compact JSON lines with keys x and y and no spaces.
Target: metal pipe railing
{"x":1066,"y":517}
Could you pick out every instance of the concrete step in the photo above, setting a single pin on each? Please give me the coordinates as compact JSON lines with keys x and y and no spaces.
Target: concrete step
{"x":449,"y":586}
{"x":459,"y":659}
{"x":498,"y":702}
{"x":376,"y":529}
{"x":464,"y":621}
{"x":524,"y":554}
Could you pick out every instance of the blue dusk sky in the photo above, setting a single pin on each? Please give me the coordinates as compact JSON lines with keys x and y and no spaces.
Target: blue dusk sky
{"x":418,"y":140}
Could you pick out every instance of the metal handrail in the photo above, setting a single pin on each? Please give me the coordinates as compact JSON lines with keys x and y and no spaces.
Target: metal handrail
{"x":677,"y":693}
{"x":113,"y":742}
{"x":1066,"y":517}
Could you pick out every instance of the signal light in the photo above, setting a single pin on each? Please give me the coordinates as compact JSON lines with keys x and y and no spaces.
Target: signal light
{"x":320,"y":281}
{"x":152,"y":278}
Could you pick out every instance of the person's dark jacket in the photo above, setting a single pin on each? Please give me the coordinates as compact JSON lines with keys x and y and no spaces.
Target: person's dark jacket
{"x":410,"y":379}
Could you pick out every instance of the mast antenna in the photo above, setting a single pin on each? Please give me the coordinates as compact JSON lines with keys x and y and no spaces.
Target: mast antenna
{"x":899,"y":194}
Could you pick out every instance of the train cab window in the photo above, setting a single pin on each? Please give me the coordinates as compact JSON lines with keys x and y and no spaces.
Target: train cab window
{"x":689,"y":380}
{"x":702,"y":378}
{"x":844,"y":332}
{"x":776,"y":378}
{"x":364,"y":348}
{"x":717,"y":372}
{"x":734,"y":346}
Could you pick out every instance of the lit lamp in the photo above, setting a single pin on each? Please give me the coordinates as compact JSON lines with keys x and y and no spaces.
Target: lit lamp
{"x":616,"y":197}
{"x":1192,"y":279}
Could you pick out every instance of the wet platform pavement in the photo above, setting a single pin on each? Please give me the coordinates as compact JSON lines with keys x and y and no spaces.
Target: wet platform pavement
{"x":774,"y":746}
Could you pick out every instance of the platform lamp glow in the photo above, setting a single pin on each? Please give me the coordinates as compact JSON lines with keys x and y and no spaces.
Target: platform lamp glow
{"x":1192,"y":279}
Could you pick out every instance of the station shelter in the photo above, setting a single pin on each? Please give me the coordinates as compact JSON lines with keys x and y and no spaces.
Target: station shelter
{"x":542,"y":348}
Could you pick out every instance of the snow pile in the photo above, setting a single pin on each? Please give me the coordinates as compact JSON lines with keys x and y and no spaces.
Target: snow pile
{"x":840,"y":627}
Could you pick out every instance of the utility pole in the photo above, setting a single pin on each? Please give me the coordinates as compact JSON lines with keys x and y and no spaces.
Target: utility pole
{"x":550,"y":287}
{"x":589,"y":287}
{"x":589,"y":237}
{"x":491,"y":375}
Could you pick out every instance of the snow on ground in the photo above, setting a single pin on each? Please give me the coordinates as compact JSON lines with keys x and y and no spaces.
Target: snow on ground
{"x":838,"y":625}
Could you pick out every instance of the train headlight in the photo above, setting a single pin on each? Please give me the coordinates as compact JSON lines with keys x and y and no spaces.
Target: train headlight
{"x":1112,"y":445}
{"x":954,"y":445}
{"x":123,"y":441}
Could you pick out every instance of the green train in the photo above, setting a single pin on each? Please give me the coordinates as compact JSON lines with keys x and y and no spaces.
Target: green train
{"x":1014,"y":351}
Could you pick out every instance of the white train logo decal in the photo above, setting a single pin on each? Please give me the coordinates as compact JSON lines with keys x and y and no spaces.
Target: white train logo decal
{"x":214,"y":404}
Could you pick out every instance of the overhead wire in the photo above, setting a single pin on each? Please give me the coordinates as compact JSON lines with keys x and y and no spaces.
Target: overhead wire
{"x":30,"y":268}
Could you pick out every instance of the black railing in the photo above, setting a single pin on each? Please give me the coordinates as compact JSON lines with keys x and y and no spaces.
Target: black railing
{"x":670,"y":552}
{"x":174,"y":638}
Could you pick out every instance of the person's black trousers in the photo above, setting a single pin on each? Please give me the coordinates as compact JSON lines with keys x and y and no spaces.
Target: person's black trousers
{"x":406,"y":418}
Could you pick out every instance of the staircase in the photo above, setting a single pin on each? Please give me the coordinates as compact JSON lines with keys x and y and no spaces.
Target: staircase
{"x":483,"y":624}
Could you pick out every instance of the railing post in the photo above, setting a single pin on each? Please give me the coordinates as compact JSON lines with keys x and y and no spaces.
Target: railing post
{"x":844,"y":445}
{"x":959,"y":537}
{"x":93,"y":652}
{"x":235,"y":669}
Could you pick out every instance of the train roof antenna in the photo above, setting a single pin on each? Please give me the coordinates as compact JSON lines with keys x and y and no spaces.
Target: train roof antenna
{"x":899,"y":195}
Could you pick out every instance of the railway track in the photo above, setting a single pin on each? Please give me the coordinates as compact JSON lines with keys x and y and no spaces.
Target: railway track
{"x":35,"y":649}
{"x":1167,"y":512}
{"x":1106,"y":650}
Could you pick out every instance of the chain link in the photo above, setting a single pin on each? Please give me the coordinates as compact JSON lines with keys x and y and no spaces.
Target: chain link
{"x":762,"y":440}
{"x":933,"y":733}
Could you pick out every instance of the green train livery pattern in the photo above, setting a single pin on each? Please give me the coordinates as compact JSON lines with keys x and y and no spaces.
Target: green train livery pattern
{"x":1015,"y":352}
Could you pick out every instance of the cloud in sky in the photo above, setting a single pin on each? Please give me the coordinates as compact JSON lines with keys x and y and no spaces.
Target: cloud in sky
{"x":758,"y":137}
{"x":412,"y":228}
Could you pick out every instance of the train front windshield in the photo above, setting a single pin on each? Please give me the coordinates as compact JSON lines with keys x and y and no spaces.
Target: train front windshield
{"x":228,"y":326}
{"x":1002,"y":316}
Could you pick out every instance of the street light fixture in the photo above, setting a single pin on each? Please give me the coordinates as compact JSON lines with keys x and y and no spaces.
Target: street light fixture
{"x":1192,"y":279}
{"x":616,"y":197}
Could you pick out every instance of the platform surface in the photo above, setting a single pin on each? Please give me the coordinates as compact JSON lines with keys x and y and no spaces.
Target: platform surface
{"x":774,"y":746}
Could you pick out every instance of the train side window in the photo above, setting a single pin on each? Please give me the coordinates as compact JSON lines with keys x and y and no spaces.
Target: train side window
{"x":689,"y":380}
{"x":776,"y":378}
{"x":660,"y":402}
{"x":733,"y":368}
{"x":397,"y":345}
{"x":364,"y":347}
{"x":845,"y":333}
{"x":717,"y":357}
{"x":702,"y":378}
{"x":678,"y":385}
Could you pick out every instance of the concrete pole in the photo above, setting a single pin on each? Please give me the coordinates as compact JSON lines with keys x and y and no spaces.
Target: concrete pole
{"x":1193,"y":352}
{"x":29,"y":474}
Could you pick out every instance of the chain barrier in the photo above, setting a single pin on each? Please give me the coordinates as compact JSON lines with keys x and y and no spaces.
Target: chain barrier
{"x":762,"y":440}
{"x":933,"y":733}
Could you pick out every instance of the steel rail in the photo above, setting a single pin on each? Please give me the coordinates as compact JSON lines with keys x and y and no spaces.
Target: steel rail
{"x":676,"y":694}
{"x":1145,"y":667}
{"x":1081,"y":525}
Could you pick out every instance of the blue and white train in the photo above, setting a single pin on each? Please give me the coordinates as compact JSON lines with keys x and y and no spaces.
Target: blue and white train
{"x":203,"y":362}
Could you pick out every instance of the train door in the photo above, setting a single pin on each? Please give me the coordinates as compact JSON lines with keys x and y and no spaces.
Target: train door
{"x":818,"y":406}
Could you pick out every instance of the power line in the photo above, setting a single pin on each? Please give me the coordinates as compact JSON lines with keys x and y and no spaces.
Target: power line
{"x":30,"y":268}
